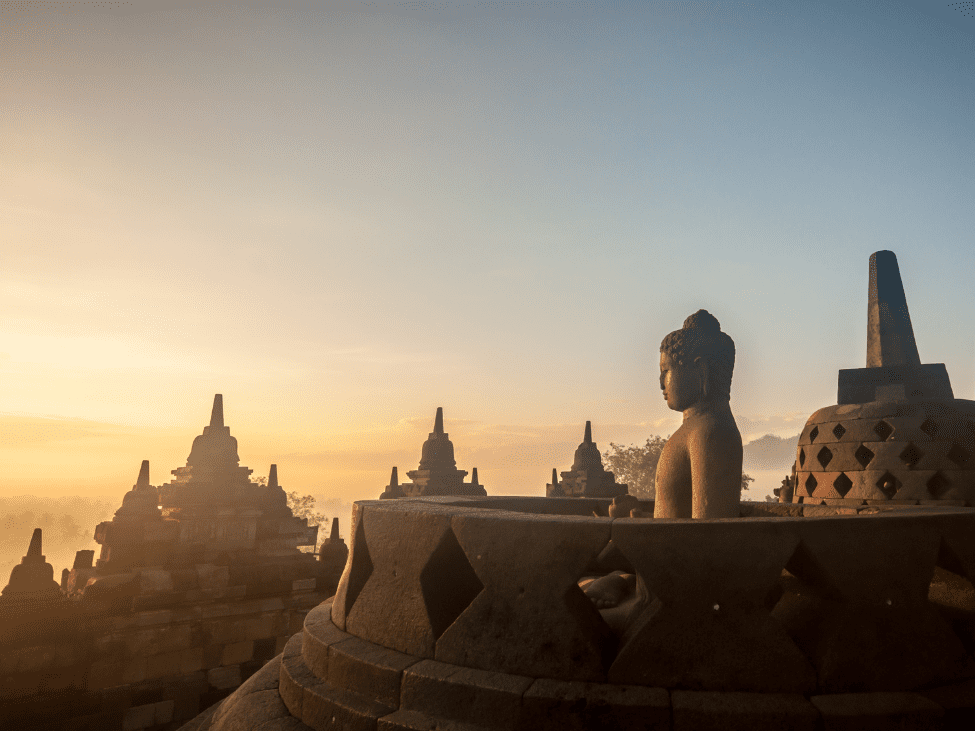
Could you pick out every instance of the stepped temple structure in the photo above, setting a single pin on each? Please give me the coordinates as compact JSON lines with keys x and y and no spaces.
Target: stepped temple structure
{"x":199,"y":582}
{"x":437,"y":473}
{"x":897,"y":435}
{"x":587,"y":478}
{"x":466,"y":613}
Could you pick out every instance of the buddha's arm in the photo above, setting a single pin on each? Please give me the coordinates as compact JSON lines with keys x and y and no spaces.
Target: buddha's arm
{"x":715,"y":474}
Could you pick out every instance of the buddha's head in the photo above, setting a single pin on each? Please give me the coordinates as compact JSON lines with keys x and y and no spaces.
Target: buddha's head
{"x":696,"y":363}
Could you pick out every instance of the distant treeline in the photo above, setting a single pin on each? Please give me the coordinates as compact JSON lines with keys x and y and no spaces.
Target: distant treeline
{"x":68,"y":524}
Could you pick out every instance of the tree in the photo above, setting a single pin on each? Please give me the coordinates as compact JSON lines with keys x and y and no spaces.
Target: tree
{"x":304,"y":507}
{"x":637,"y":466}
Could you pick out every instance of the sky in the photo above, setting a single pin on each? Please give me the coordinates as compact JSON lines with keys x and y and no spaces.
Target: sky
{"x":344,"y":215}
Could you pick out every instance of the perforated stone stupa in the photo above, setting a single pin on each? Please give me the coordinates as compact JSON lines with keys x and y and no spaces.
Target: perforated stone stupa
{"x":897,"y":434}
{"x":587,"y":478}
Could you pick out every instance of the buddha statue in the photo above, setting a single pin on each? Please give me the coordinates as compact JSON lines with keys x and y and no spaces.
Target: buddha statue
{"x":699,"y":472}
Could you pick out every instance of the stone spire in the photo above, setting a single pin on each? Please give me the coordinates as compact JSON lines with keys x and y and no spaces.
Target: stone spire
{"x":276,"y":494}
{"x":216,"y":416}
{"x":142,"y":501}
{"x":333,"y":552}
{"x":33,"y":575}
{"x":438,"y":450}
{"x":890,"y":335}
{"x":473,"y":475}
{"x":393,"y":490}
{"x":438,"y":421}
{"x":894,"y":370}
{"x":554,"y":489}
{"x":587,"y":456}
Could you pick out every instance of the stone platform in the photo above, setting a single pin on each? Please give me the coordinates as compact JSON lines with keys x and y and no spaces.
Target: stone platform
{"x":465,"y":614}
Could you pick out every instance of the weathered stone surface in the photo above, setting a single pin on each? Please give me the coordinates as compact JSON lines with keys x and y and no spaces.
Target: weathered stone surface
{"x":449,"y":692}
{"x":708,"y":711}
{"x":708,"y":626}
{"x":415,"y":721}
{"x":575,"y":706}
{"x":531,"y":618}
{"x":877,"y":712}
{"x":401,"y":543}
{"x":877,"y":631}
{"x":326,"y":707}
{"x":357,"y":665}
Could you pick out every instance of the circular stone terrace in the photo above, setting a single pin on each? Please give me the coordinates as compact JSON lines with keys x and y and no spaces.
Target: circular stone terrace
{"x":465,"y":613}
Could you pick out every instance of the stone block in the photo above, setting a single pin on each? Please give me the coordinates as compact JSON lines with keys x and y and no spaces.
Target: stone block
{"x":400,"y":545}
{"x":135,"y":670}
{"x":263,"y":710}
{"x":556,"y":705}
{"x":139,"y":717}
{"x":877,"y":712}
{"x":104,"y":674}
{"x":267,"y":678}
{"x":866,"y":485}
{"x":224,"y":677}
{"x":324,"y":706}
{"x":180,"y":662}
{"x":463,"y":694}
{"x":914,"y":485}
{"x":156,"y":616}
{"x":531,"y":614}
{"x":364,"y":667}
{"x":708,"y":626}
{"x":958,"y":702}
{"x":416,"y":721}
{"x":164,"y":711}
{"x":304,"y":585}
{"x":237,"y":653}
{"x":826,"y":485}
{"x":155,"y":581}
{"x":294,"y":676}
{"x":317,"y":638}
{"x":211,"y":578}
{"x":706,"y":711}
{"x":37,"y":657}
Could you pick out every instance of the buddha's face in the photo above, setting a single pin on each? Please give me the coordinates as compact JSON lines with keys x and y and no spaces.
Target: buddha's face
{"x":681,"y":384}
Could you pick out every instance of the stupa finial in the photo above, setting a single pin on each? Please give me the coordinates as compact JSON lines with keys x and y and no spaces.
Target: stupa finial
{"x":587,"y":439}
{"x":35,"y":550}
{"x":438,"y":423}
{"x":143,"y":480}
{"x":890,"y":335}
{"x":216,"y":416}
{"x":334,"y":534}
{"x":555,"y":476}
{"x":474,"y":476}
{"x":272,"y":477}
{"x":394,"y":479}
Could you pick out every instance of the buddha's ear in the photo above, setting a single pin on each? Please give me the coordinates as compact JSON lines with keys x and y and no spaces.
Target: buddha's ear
{"x":704,"y":370}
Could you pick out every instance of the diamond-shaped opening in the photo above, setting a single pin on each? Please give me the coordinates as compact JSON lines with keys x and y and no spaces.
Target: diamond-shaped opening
{"x":930,"y":427}
{"x":359,"y":568}
{"x":824,"y":456}
{"x":811,"y":484}
{"x":970,"y":425}
{"x":449,"y":584}
{"x":911,"y":455}
{"x":838,"y":431}
{"x":842,"y":484}
{"x":802,"y":457}
{"x":813,"y":434}
{"x":887,"y":484}
{"x":863,"y":455}
{"x":959,"y":455}
{"x":938,"y":484}
{"x":883,"y":430}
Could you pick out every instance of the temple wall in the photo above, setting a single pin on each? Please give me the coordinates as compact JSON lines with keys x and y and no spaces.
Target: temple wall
{"x":152,"y":649}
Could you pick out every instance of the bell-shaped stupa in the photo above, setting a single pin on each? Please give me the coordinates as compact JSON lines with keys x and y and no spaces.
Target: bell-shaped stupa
{"x":438,"y":473}
{"x":587,"y":478}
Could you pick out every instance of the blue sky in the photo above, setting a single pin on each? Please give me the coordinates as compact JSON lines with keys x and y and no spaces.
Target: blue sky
{"x":342,"y":217}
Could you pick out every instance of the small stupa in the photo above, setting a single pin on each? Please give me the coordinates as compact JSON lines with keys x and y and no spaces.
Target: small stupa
{"x":33,"y":578}
{"x":393,"y":490}
{"x":587,"y":478}
{"x":437,"y":473}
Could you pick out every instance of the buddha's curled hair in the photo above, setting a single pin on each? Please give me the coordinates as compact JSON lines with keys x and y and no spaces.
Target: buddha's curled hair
{"x":701,"y":337}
